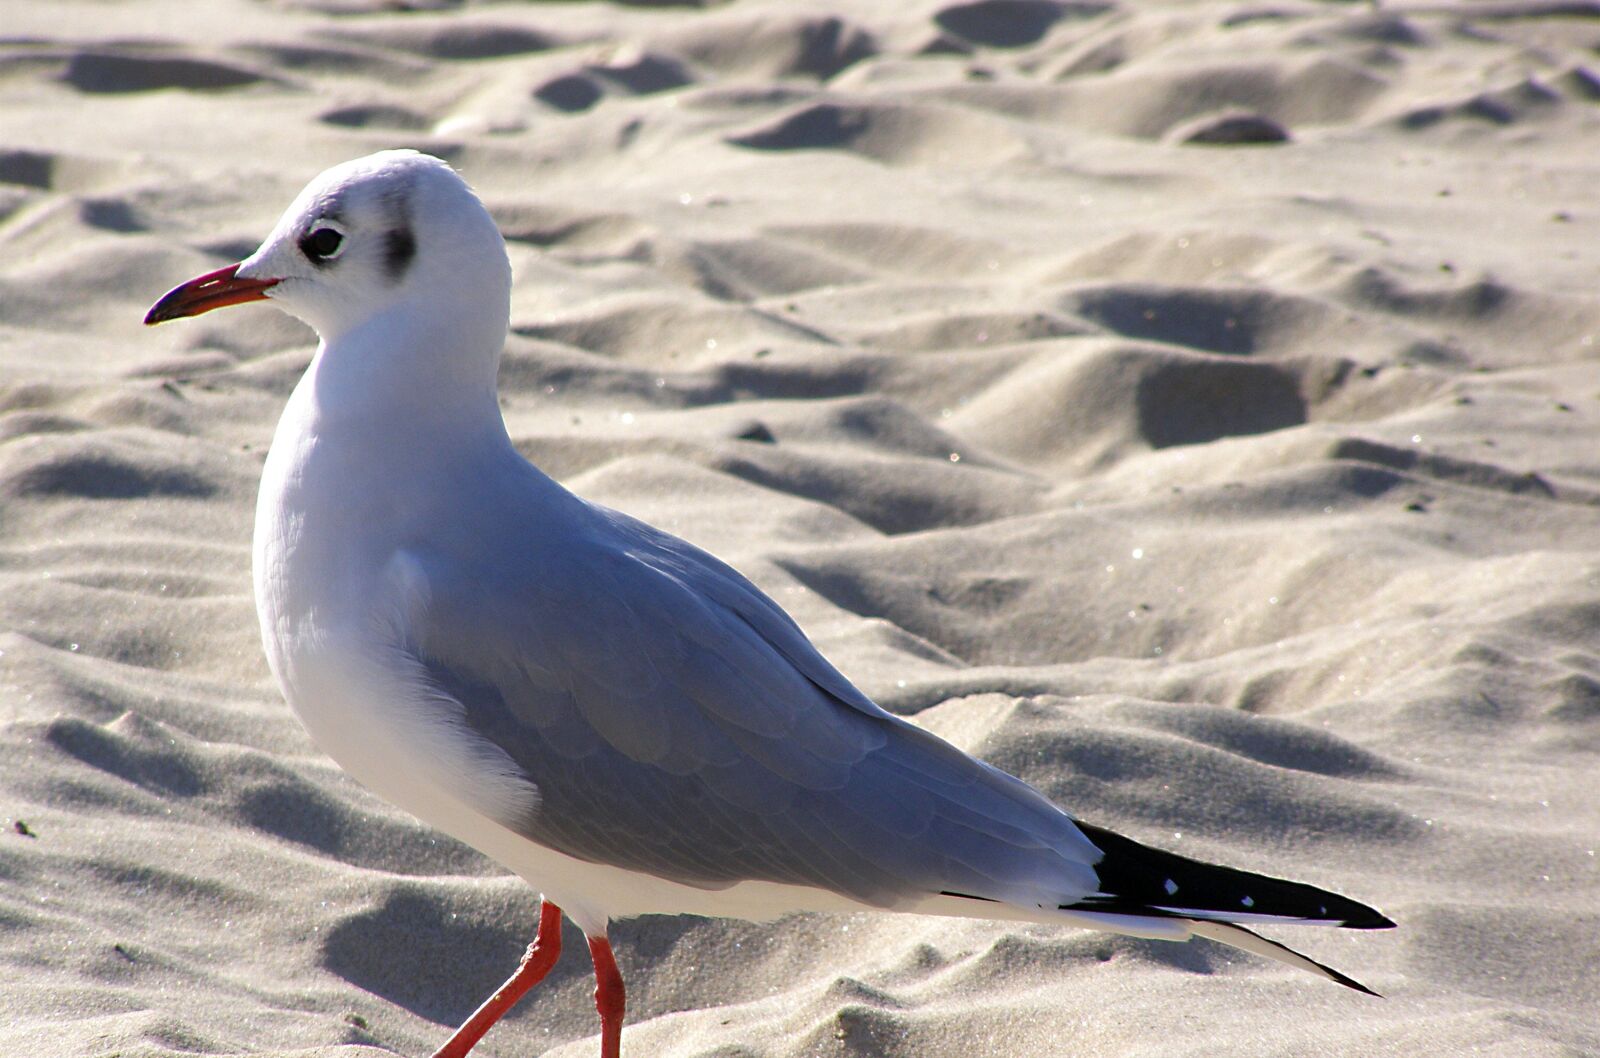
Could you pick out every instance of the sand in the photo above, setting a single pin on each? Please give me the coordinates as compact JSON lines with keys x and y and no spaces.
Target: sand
{"x":1191,"y":408}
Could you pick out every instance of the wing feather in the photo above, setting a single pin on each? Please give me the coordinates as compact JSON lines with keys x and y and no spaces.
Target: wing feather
{"x":676,"y":721}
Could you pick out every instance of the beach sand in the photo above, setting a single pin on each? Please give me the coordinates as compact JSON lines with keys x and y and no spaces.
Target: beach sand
{"x":1191,"y":408}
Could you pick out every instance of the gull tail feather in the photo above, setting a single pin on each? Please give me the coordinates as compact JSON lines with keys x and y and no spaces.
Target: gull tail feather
{"x":1236,"y":936}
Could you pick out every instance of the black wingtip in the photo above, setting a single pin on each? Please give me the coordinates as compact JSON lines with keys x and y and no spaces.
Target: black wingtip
{"x":1138,"y":879}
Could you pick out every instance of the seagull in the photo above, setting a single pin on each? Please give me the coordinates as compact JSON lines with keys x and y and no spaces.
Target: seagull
{"x":609,"y":712}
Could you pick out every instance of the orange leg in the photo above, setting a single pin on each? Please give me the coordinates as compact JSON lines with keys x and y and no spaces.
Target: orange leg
{"x":609,"y":997}
{"x":536,"y":962}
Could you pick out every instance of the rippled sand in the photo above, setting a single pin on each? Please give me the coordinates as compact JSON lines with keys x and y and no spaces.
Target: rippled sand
{"x":1191,"y":408}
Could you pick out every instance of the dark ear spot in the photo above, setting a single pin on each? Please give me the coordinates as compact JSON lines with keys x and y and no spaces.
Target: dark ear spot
{"x":399,"y":247}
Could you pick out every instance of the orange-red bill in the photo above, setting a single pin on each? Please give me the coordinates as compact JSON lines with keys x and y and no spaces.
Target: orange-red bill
{"x":204,"y":293}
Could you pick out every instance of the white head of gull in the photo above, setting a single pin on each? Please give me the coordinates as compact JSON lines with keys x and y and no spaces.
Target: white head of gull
{"x":611,"y":713}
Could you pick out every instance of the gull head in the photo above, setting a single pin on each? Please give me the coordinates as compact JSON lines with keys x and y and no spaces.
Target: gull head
{"x":394,"y":231}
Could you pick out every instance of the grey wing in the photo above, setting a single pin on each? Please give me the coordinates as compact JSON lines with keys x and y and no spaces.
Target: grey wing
{"x":677,"y":722}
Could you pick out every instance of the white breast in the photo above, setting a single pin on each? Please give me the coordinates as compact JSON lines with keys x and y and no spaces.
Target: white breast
{"x":336,"y":595}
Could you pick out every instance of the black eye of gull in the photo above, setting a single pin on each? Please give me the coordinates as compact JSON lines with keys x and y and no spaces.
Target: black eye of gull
{"x":323,"y":244}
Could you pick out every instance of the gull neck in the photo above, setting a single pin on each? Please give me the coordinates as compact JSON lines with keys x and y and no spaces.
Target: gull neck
{"x":409,"y":371}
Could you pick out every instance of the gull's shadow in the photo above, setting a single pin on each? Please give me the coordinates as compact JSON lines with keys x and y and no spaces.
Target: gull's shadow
{"x":439,"y":952}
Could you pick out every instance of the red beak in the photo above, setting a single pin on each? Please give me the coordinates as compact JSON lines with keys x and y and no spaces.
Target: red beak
{"x":204,"y":293}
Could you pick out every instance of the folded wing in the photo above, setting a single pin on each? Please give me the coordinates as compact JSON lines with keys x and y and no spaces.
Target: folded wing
{"x":677,"y":722}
